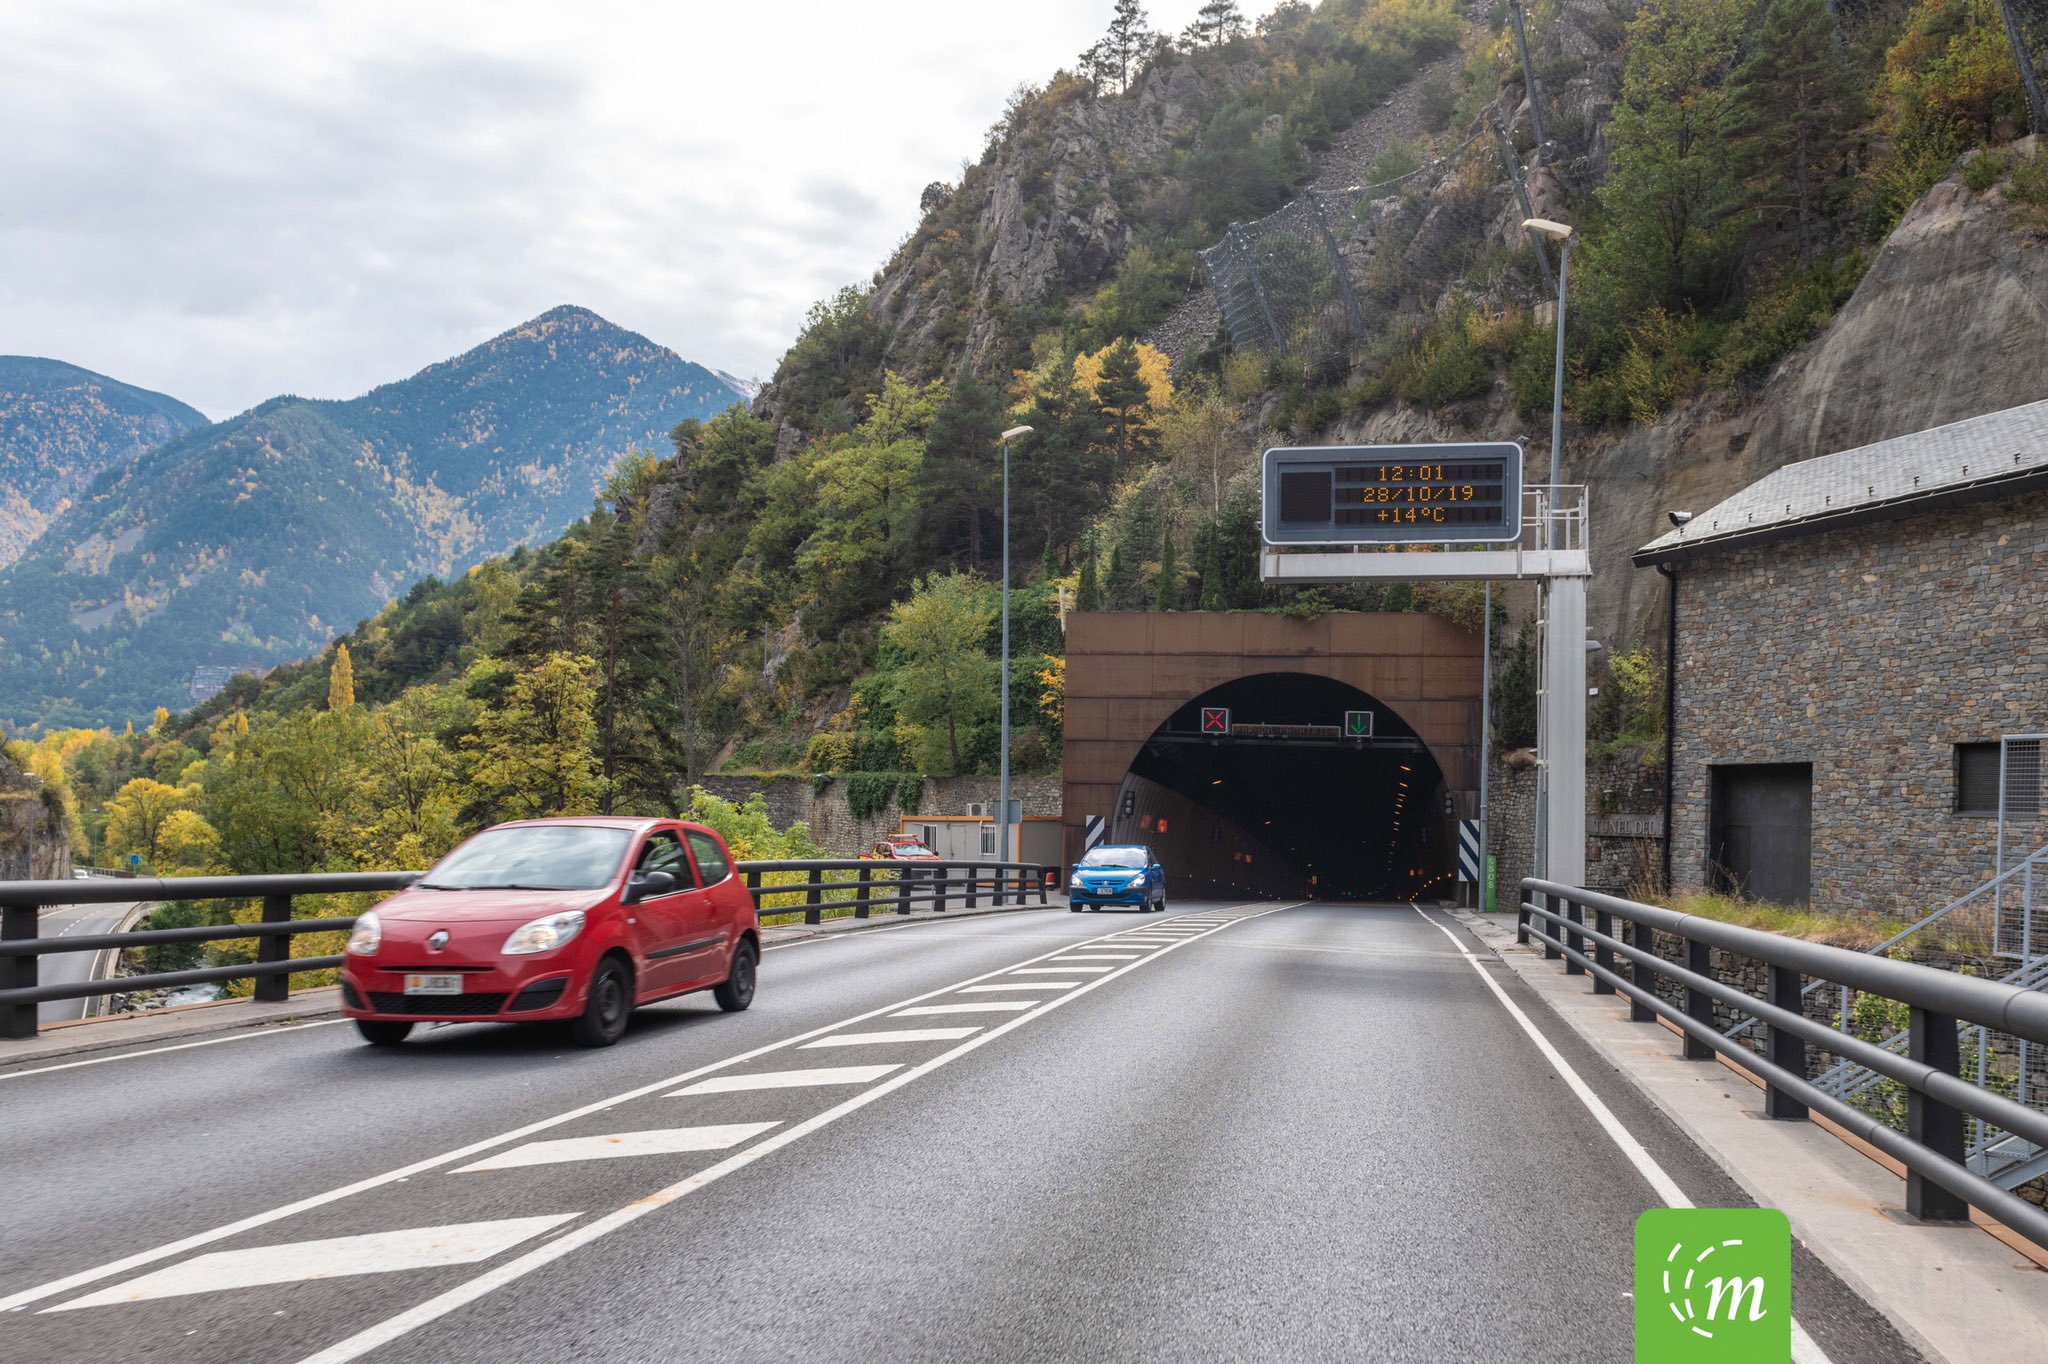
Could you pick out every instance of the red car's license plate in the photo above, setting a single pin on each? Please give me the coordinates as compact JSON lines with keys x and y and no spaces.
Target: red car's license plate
{"x":433,"y":985}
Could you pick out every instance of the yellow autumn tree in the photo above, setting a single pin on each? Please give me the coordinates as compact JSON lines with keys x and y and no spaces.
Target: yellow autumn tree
{"x":1153,"y":367}
{"x":341,"y":680}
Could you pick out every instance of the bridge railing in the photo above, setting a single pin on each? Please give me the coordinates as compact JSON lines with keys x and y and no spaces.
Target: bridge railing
{"x":782,"y":891}
{"x":1940,"y":1102}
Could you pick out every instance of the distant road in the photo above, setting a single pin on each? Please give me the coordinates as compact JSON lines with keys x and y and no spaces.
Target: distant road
{"x":63,"y":968}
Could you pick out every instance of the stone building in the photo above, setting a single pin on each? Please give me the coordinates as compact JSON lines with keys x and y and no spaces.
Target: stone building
{"x":1855,"y":634}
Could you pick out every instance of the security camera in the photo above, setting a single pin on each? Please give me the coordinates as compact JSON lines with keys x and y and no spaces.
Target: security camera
{"x":1679,"y":518}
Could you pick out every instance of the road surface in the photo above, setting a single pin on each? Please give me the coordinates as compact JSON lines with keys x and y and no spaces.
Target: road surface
{"x":1232,"y":1132}
{"x":63,"y":968}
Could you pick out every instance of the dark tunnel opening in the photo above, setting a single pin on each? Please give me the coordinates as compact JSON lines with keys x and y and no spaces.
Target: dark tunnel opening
{"x":1288,"y":804}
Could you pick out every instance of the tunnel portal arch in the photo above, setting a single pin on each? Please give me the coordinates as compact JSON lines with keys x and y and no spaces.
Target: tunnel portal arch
{"x":1135,"y":686}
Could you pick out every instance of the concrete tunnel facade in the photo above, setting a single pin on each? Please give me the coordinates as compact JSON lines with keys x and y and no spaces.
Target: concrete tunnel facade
{"x":1286,"y":805}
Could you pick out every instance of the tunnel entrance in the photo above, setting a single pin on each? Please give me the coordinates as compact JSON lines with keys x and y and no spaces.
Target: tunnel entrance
{"x":1287,"y":804}
{"x":1137,"y":683}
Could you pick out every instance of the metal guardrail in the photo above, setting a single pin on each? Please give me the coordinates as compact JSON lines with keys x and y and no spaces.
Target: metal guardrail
{"x":861,"y":885}
{"x":1940,"y":1186}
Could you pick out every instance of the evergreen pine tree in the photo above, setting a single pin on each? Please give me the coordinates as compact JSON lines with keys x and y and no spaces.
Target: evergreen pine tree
{"x":1122,"y":591}
{"x":1049,"y":563}
{"x":1212,"y":572}
{"x":1167,"y":597}
{"x":1128,"y":42}
{"x":1215,"y":23}
{"x":1088,"y":595}
{"x":1794,"y":101}
{"x":1124,"y":403}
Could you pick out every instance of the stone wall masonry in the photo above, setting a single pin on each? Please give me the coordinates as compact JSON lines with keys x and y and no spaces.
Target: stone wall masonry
{"x":832,"y":823}
{"x":1622,"y":794}
{"x":1869,"y":652}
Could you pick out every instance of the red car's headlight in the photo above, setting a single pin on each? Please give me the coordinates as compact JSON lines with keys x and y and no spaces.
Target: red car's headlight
{"x":544,"y":934}
{"x":367,"y":935}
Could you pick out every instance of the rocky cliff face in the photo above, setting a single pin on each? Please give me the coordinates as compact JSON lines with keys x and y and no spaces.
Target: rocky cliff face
{"x":33,"y":845}
{"x":1046,"y":216}
{"x":1951,"y":321}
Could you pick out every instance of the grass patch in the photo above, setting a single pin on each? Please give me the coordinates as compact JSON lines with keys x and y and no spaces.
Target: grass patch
{"x":1857,"y":932}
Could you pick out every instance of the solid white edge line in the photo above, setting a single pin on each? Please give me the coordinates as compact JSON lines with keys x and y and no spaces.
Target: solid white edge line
{"x":394,"y":1328}
{"x":1805,"y":1350}
{"x":16,"y":1301}
{"x":256,"y":1030}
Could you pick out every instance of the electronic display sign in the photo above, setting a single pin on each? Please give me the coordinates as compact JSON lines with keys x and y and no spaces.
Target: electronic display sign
{"x":1393,"y":494}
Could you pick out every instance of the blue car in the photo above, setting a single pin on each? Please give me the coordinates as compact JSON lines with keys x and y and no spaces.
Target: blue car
{"x":1117,"y":874}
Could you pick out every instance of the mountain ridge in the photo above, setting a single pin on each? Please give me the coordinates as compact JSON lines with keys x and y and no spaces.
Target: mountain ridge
{"x":61,"y":425}
{"x":250,"y":541}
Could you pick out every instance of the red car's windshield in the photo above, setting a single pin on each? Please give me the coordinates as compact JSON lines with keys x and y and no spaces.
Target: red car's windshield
{"x":537,"y":857}
{"x":911,"y":850}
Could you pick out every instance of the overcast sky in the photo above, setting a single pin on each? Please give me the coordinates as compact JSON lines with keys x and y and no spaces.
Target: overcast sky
{"x":230,"y":199}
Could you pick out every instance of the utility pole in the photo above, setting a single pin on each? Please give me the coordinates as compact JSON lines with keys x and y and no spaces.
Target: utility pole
{"x":1003,"y":839}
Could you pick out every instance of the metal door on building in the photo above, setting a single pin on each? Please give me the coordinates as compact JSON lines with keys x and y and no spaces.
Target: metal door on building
{"x":1760,"y":831}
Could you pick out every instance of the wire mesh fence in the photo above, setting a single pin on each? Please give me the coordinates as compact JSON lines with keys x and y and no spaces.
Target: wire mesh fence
{"x":1337,"y":269}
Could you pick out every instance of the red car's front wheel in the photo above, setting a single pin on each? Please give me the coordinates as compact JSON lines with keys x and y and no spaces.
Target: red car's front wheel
{"x":606,"y":1007}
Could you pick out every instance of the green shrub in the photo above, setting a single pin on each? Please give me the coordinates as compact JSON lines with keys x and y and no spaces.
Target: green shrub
{"x":2030,"y":181}
{"x":1982,"y":172}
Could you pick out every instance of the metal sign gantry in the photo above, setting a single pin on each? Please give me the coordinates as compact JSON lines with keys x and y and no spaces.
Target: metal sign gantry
{"x":1548,"y":544}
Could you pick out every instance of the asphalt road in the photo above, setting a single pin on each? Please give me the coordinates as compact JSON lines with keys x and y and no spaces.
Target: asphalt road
{"x":63,"y":968}
{"x":1232,"y":1132}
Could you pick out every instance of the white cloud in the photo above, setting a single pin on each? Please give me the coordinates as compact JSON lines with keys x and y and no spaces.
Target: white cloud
{"x":230,"y":199}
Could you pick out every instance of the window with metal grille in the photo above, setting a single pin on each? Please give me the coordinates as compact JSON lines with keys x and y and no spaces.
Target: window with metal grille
{"x":1977,"y":779}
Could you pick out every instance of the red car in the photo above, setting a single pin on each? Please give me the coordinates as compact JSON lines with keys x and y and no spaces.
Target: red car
{"x":581,"y":920}
{"x":903,"y":850}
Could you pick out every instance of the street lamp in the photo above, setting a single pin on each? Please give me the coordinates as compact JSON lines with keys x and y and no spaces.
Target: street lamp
{"x":1003,"y":796}
{"x":1561,"y":233}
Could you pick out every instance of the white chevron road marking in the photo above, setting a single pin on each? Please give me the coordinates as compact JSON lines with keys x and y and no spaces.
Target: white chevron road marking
{"x":977,"y":1006}
{"x":379,"y":1252}
{"x":863,"y":1039}
{"x":789,"y":1079}
{"x":664,"y":1141}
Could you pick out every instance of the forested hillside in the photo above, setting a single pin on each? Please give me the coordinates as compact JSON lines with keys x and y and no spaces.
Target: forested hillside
{"x":60,"y":426}
{"x":255,"y":540}
{"x":809,"y":583}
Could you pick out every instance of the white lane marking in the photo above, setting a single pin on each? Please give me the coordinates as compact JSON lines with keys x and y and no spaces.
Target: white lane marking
{"x":16,"y":1301}
{"x":789,"y":1079}
{"x":1805,"y":1350}
{"x":380,"y":1252}
{"x":410,"y":1320}
{"x":1020,"y":985}
{"x":181,"y":1046}
{"x":1059,"y":970}
{"x":865,"y":1039}
{"x":977,"y":1006}
{"x":666,"y":1141}
{"x":1100,"y":956}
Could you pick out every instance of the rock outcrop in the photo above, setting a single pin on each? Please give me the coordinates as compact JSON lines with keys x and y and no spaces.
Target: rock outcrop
{"x":33,"y":843}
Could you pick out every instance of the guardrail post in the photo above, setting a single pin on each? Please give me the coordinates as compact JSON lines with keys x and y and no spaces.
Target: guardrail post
{"x":973,"y":894}
{"x":277,"y":909}
{"x":1521,"y":921}
{"x":1786,"y":1048}
{"x":18,"y":973}
{"x":1643,"y":939}
{"x":1603,"y":955}
{"x":1577,"y":914}
{"x":1044,"y":880}
{"x":812,"y":895}
{"x":1931,"y":1040}
{"x":1699,"y":1005}
{"x":1542,"y":900}
{"x":860,"y":911}
{"x":754,"y":889}
{"x":903,"y":890}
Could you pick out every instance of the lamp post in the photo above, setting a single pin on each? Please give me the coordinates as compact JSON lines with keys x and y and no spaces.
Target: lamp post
{"x":1564,"y":657}
{"x":1003,"y":794}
